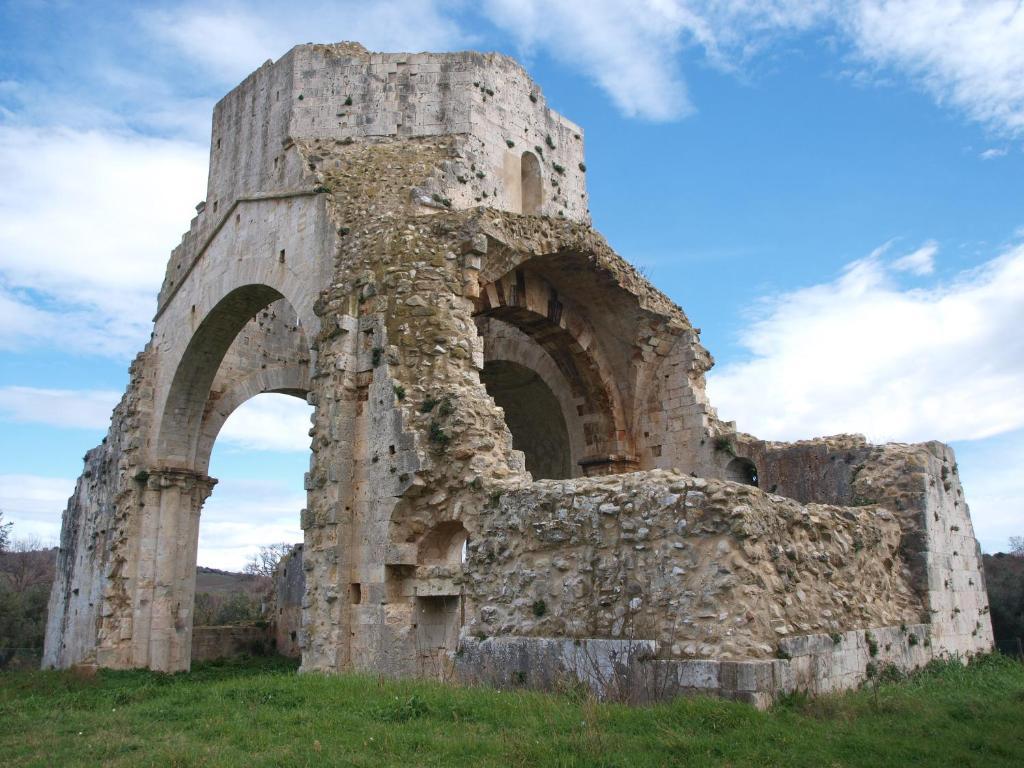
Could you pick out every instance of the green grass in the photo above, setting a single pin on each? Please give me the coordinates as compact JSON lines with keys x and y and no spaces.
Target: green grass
{"x":257,"y":712}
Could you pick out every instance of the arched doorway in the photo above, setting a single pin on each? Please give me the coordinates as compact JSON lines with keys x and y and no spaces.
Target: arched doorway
{"x":250,"y":343}
{"x":741,"y":470}
{"x":259,"y":458}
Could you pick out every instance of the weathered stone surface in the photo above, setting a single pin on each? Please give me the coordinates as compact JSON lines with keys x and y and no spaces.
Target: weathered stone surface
{"x":289,"y":589}
{"x":709,"y":569}
{"x":403,"y":240}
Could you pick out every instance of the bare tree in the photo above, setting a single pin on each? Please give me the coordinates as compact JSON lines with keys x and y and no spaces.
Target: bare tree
{"x":1017,"y":546}
{"x":265,"y":561}
{"x":5,"y":533}
{"x":28,"y":563}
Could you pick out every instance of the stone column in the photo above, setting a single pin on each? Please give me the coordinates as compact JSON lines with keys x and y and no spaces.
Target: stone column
{"x":166,"y":578}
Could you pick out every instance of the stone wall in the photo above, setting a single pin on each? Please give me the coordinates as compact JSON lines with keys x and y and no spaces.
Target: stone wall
{"x":212,"y":643}
{"x":289,"y":590}
{"x":631,"y":671}
{"x":97,"y":534}
{"x":921,"y":485}
{"x":703,"y":567}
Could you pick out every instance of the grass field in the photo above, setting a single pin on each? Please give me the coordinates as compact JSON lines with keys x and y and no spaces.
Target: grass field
{"x":257,"y":712}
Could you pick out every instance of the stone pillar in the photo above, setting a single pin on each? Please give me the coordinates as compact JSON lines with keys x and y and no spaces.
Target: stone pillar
{"x":166,"y":580}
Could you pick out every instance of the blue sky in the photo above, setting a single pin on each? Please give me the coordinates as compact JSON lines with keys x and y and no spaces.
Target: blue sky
{"x":833,"y":191}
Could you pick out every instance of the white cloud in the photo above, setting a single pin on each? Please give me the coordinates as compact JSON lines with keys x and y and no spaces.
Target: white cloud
{"x":861,"y":354}
{"x":631,"y":50}
{"x":966,"y":54}
{"x":85,"y":409}
{"x":992,"y":154}
{"x":87,"y":222}
{"x":627,"y":48}
{"x":243,"y":515}
{"x":35,"y":504}
{"x":230,"y":41}
{"x":269,"y":423}
{"x":990,"y":472}
{"x":969,"y":55}
{"x":919,"y":262}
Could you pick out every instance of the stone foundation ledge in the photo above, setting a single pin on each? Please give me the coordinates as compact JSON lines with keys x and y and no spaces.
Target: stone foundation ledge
{"x":629,"y":670}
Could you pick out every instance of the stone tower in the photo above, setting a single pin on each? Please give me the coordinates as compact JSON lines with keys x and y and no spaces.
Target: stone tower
{"x":513,"y":457}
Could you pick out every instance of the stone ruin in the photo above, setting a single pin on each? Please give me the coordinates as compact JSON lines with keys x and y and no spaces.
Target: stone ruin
{"x":516,"y":475}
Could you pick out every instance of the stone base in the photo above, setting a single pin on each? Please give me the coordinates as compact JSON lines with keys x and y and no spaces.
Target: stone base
{"x":629,"y":671}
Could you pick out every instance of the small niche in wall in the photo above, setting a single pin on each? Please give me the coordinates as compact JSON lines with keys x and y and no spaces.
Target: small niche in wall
{"x":355,"y":591}
{"x":533,"y":195}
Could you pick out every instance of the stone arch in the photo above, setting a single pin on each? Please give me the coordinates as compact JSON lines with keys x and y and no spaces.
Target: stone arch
{"x":271,"y":354}
{"x":534,"y":417}
{"x":424,"y":561}
{"x":285,"y":380}
{"x":506,"y":344}
{"x":532,"y":306}
{"x":215,"y":374}
{"x":185,"y":408}
{"x":741,"y":470}
{"x":531,"y":183}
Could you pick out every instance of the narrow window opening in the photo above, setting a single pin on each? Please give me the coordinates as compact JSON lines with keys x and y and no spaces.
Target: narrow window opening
{"x":356,"y":593}
{"x":280,"y":257}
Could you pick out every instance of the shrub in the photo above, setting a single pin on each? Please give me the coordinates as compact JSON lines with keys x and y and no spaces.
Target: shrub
{"x":438,"y":435}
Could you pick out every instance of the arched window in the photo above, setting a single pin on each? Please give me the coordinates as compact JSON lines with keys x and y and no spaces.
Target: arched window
{"x":531,"y":184}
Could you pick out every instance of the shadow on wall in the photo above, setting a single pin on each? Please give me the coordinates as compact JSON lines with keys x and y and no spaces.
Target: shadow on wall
{"x":533,"y":196}
{"x":534,"y":417}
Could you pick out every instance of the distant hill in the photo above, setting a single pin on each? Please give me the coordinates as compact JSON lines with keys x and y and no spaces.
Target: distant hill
{"x":213,"y":581}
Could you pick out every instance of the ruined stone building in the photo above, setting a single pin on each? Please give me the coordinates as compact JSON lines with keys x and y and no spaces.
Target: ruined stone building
{"x":515,"y":472}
